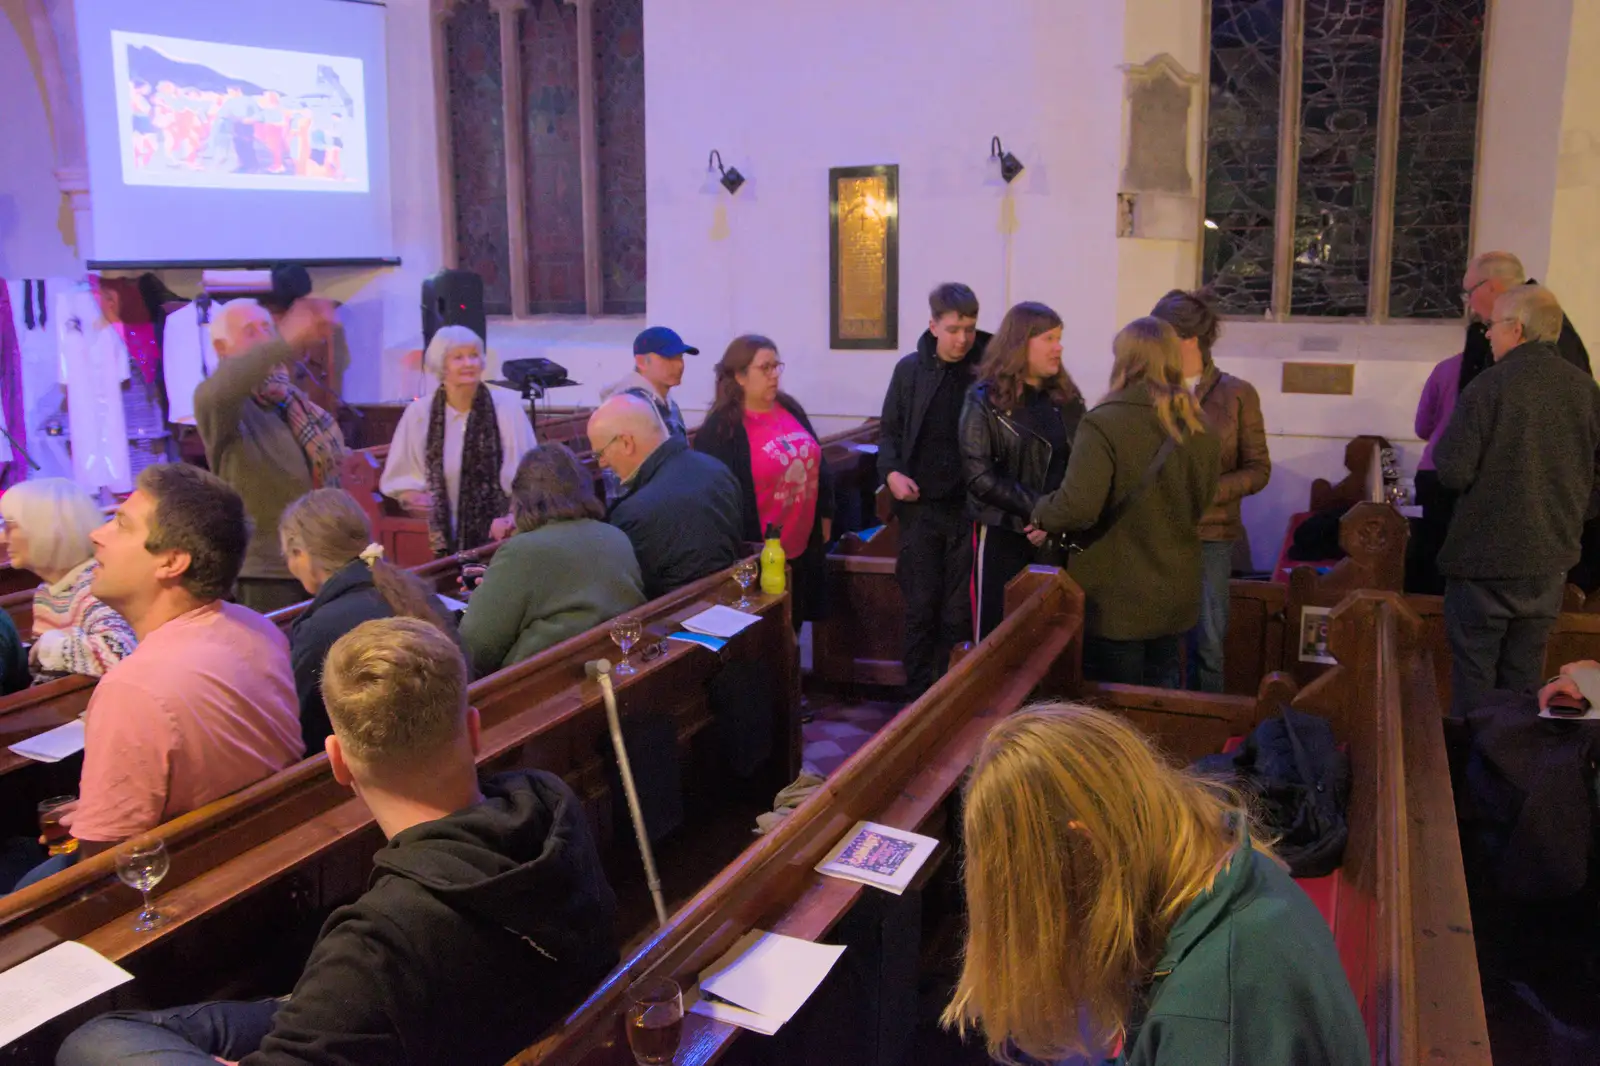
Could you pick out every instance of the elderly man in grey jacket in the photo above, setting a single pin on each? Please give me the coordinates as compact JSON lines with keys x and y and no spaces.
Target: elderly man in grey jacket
{"x":1521,"y":449}
{"x":679,"y":507}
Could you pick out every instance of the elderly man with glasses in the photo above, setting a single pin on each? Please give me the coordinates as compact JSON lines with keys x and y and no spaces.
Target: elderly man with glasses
{"x":679,"y":507}
{"x":1520,"y":451}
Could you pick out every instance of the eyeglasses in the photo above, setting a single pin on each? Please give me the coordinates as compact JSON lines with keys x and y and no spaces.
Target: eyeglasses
{"x":1506,"y":322}
{"x":1466,"y":294}
{"x":768,"y":368}
{"x":602,"y":449}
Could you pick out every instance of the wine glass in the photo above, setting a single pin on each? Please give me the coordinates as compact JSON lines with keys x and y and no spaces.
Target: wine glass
{"x":142,"y":866}
{"x":655,"y":1020}
{"x":745,"y":575}
{"x":625,"y":632}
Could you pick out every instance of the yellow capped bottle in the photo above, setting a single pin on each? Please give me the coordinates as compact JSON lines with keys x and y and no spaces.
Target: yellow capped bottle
{"x":773,"y":579}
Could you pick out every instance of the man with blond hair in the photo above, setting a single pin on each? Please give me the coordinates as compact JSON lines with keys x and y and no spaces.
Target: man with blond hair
{"x":1521,"y":451}
{"x":488,"y":917}
{"x":679,"y":507}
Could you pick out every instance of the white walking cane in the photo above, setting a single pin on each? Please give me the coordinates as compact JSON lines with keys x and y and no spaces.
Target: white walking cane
{"x":600,"y":670}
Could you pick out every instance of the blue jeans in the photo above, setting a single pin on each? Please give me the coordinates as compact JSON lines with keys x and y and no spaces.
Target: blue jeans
{"x":200,"y":1034}
{"x":1152,"y":662}
{"x":1210,"y":635}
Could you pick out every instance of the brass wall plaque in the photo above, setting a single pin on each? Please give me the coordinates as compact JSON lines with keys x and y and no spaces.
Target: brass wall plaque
{"x":1321,"y":379}
{"x":864,"y":257}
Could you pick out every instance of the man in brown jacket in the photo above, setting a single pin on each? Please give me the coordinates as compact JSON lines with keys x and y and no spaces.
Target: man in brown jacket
{"x":1233,"y":413}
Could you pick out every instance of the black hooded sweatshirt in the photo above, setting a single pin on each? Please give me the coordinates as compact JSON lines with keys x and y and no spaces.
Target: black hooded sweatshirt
{"x":478,"y":932}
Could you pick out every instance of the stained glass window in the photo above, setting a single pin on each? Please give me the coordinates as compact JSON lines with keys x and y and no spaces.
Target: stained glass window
{"x":619,"y":107}
{"x":1439,"y":85}
{"x":478,"y":148}
{"x":1242,"y":157}
{"x":1338,"y":70}
{"x":552,"y":170}
{"x":1342,"y":74}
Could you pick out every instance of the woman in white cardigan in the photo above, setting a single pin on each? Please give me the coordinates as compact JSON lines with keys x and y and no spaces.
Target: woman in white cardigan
{"x":456,"y":448}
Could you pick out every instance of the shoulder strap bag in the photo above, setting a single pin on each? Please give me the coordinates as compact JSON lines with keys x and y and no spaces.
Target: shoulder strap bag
{"x":1086,"y":539}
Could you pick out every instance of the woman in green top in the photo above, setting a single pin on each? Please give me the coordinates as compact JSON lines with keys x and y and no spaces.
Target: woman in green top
{"x":564,"y":571}
{"x":1119,"y":906}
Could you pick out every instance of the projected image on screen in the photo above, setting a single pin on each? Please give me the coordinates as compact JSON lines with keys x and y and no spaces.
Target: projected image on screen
{"x":199,"y":114}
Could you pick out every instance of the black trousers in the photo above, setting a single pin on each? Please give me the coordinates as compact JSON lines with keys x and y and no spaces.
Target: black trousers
{"x":1422,"y":563}
{"x":998,"y":556}
{"x":1498,"y":630}
{"x":933,"y":571}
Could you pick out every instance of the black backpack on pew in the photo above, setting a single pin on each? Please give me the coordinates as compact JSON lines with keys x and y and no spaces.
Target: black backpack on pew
{"x":1298,"y":780}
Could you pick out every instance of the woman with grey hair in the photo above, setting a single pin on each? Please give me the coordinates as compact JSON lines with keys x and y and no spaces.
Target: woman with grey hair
{"x":562,"y":572}
{"x":456,"y":448}
{"x":47,"y":523}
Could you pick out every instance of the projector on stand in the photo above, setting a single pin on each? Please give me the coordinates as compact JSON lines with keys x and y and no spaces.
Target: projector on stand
{"x":532,"y":377}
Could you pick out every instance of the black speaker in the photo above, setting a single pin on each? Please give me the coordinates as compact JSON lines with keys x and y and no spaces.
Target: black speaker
{"x":453,"y":298}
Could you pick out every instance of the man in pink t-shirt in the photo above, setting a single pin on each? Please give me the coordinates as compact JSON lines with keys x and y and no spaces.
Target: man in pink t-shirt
{"x":206,"y":704}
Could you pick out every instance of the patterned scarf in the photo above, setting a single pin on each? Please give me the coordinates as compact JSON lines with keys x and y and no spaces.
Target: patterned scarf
{"x":314,"y":429}
{"x":481,"y":500}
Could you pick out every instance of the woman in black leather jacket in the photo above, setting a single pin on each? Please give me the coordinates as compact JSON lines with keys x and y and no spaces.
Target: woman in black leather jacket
{"x":1017,"y":426}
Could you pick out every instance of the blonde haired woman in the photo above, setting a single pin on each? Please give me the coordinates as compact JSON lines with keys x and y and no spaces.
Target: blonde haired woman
{"x":327,"y":543}
{"x":47,"y":527}
{"x":1116,"y":902}
{"x":456,"y":448}
{"x":1143,"y":470}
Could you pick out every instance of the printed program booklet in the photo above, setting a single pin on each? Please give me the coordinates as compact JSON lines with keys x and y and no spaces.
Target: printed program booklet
{"x":879,"y":855}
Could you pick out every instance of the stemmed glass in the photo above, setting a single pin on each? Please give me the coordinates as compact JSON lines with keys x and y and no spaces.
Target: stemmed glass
{"x":655,"y":1020}
{"x":625,"y":632}
{"x":142,"y":866}
{"x":745,"y":575}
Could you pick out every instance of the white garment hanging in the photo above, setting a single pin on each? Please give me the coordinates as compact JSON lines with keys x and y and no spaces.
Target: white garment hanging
{"x":187,"y":358}
{"x":94,"y":364}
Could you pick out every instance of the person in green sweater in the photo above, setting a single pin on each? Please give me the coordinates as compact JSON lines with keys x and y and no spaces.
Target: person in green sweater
{"x":1121,"y":907}
{"x":263,"y":437}
{"x":563,"y":571}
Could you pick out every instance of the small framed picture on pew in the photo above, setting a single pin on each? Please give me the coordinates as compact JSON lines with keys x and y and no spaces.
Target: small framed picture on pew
{"x":1314,"y":635}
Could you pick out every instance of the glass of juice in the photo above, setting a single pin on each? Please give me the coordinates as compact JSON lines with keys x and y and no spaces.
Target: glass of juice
{"x":654,"y":1020}
{"x":57,"y":839}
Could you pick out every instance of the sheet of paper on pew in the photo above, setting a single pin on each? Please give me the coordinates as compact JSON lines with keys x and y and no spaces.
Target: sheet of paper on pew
{"x":52,"y":983}
{"x":53,"y":745}
{"x":878,"y":855}
{"x":450,"y":603}
{"x":720,"y":621}
{"x":763,"y":980}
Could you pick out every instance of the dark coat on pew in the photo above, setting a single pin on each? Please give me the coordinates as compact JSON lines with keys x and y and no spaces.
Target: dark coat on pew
{"x":480,"y":931}
{"x":1249,"y":975}
{"x":345,"y":600}
{"x":682,"y":511}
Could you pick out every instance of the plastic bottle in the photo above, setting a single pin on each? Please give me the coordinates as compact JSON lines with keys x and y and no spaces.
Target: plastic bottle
{"x":773,"y":577}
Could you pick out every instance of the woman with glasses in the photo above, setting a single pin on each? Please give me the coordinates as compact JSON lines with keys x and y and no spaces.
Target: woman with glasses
{"x":763,"y":435}
{"x":47,"y":523}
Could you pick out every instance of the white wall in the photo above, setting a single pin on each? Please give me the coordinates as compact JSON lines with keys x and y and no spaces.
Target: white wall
{"x":35,"y":226}
{"x":785,"y":91}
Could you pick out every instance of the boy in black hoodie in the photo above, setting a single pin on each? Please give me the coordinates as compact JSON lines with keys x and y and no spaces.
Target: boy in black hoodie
{"x":488,"y":917}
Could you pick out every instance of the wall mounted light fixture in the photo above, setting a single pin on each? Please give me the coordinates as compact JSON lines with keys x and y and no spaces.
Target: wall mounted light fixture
{"x":1010,"y":165}
{"x":731,"y":178}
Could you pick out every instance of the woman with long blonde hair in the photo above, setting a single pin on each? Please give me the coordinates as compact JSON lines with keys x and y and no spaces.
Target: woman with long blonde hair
{"x":327,"y":543}
{"x":1115,"y":902}
{"x":1142,"y":472}
{"x":1017,"y":426}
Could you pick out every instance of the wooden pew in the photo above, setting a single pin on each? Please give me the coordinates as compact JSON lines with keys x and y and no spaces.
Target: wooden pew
{"x":1398,"y":906}
{"x":297,"y":844}
{"x":901,"y":777}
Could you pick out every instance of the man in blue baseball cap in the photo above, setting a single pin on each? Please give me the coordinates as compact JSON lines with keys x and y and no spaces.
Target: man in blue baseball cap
{"x":658,"y":369}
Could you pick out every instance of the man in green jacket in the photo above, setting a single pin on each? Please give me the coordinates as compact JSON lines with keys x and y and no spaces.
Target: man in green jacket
{"x":263,"y":436}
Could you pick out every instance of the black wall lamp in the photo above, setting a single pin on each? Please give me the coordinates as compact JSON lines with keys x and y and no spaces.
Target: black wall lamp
{"x":1010,"y":165}
{"x":731,"y":178}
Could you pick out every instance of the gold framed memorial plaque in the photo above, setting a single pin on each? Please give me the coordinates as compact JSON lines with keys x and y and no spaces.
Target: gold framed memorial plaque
{"x":864,"y":257}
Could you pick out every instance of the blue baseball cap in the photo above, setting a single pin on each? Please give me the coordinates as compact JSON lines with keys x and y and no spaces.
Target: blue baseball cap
{"x":659,"y":340}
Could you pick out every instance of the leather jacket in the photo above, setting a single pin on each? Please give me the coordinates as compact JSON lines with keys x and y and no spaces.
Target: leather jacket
{"x":1233,"y":415}
{"x":1005,"y":463}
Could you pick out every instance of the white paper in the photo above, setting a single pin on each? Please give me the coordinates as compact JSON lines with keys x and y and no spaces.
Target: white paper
{"x":897,"y":849}
{"x":450,"y":603}
{"x":52,"y":983}
{"x":53,"y":745}
{"x":770,"y":974}
{"x":867,"y":449}
{"x":727,"y":1012}
{"x":720,"y":621}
